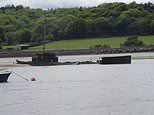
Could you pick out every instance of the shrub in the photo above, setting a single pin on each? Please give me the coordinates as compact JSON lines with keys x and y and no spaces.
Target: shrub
{"x":34,"y":44}
{"x":0,"y":47}
{"x":99,"y":46}
{"x":133,"y":41}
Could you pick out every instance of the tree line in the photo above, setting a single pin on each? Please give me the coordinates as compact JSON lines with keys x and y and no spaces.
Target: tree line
{"x":19,"y":24}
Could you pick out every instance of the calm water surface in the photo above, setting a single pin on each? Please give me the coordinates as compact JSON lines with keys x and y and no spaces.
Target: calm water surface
{"x":80,"y":90}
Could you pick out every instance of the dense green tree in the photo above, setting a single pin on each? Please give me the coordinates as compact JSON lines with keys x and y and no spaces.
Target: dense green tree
{"x":19,"y":24}
{"x":2,"y":30}
{"x":102,"y":25}
{"x":25,"y":36}
{"x":11,"y":38}
{"x":90,"y":28}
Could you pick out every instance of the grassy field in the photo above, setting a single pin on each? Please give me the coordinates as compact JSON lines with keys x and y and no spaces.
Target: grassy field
{"x":148,"y":40}
{"x":86,"y":43}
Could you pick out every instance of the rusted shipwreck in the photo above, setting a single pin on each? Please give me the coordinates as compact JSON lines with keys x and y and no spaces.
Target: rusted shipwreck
{"x":125,"y":59}
{"x":41,"y":59}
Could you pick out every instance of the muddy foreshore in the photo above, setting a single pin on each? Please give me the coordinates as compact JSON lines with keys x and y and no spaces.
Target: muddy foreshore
{"x":6,"y":54}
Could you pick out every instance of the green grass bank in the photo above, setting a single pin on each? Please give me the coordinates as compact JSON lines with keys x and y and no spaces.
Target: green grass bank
{"x":113,"y":42}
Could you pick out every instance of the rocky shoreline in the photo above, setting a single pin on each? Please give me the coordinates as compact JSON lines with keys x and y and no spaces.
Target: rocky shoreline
{"x":77,"y":52}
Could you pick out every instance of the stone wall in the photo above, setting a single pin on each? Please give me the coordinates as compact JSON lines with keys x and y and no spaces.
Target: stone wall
{"x":77,"y":52}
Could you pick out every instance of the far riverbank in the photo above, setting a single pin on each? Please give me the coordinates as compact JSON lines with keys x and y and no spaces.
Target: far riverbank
{"x":98,"y":51}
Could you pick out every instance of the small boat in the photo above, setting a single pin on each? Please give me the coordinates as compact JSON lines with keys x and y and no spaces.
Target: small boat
{"x":4,"y":75}
{"x":23,"y":62}
{"x":126,"y":59}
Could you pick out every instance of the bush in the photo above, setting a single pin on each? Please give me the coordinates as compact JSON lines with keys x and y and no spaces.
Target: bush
{"x":99,"y":46}
{"x":151,"y":46}
{"x":133,"y":41}
{"x":34,"y":44}
{"x":0,"y":47}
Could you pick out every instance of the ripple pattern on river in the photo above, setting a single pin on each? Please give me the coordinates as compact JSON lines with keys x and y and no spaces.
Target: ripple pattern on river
{"x":80,"y":90}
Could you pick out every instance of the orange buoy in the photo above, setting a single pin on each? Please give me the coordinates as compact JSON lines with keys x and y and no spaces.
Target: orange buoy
{"x":33,"y":79}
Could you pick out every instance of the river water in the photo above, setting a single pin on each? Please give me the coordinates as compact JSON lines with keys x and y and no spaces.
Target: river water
{"x":80,"y":90}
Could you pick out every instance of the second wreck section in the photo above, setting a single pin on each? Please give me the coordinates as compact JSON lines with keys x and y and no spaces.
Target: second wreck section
{"x":44,"y":59}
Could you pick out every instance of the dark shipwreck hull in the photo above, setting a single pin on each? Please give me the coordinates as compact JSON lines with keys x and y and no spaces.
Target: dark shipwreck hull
{"x":42,"y":59}
{"x":116,"y":60}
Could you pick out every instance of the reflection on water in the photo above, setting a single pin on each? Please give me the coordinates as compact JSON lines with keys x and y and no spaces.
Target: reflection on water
{"x":80,"y":90}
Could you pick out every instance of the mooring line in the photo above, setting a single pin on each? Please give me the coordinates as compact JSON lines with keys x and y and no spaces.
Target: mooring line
{"x":20,"y":76}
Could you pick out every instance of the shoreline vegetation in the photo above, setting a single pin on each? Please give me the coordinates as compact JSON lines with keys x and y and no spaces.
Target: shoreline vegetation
{"x":22,"y":25}
{"x":78,"y":31}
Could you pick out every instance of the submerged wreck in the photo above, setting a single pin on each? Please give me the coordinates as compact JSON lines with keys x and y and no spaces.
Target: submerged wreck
{"x":50,"y":59}
{"x":41,"y":59}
